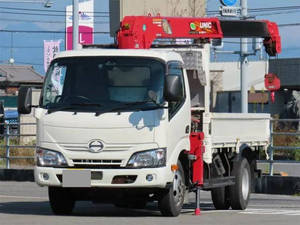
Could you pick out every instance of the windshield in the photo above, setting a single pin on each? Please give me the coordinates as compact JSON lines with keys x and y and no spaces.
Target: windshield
{"x":99,"y":83}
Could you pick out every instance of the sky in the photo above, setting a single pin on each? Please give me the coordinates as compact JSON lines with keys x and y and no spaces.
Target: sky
{"x":27,"y":47}
{"x":290,"y":35}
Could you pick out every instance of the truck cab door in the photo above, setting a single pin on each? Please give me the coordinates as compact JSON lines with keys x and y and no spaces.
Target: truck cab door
{"x":179,"y":114}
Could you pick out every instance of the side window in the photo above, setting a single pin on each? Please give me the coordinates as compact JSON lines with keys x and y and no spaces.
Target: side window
{"x":54,"y":84}
{"x":175,"y":69}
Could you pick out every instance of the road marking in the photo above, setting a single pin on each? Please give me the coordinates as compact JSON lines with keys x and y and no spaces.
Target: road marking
{"x":205,"y":210}
{"x":286,"y":212}
{"x":266,"y":206}
{"x":22,"y":197}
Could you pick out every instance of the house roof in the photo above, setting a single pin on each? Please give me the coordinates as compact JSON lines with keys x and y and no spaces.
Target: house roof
{"x":20,"y":74}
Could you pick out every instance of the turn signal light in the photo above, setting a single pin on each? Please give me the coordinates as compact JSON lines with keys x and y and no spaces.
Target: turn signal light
{"x":174,"y":167}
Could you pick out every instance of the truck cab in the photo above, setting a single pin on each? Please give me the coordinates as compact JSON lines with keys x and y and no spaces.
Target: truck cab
{"x":122,"y":115}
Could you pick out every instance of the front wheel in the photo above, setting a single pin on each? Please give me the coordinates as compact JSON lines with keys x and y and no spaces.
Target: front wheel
{"x":61,"y":201}
{"x":171,"y":201}
{"x":240,"y":192}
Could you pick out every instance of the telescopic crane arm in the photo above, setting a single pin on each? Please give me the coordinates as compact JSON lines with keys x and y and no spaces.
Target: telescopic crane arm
{"x":139,"y":32}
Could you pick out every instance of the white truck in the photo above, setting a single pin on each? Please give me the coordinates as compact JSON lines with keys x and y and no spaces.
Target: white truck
{"x":114,"y":125}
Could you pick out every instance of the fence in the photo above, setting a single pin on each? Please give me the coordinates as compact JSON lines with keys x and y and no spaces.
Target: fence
{"x":12,"y":130}
{"x":12,"y":139}
{"x":273,"y":147}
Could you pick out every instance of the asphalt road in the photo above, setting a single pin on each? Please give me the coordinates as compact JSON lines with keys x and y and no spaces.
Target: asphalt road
{"x":26,"y":203}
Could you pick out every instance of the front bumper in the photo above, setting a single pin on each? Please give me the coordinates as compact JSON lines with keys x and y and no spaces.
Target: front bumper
{"x":161,"y":176}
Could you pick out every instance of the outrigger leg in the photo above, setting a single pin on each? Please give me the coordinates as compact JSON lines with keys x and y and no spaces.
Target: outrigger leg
{"x":197,"y":210}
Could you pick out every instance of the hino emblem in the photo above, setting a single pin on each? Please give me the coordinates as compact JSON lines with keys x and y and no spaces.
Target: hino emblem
{"x":95,"y":146}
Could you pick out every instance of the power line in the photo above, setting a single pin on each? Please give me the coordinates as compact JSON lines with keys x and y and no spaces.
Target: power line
{"x":265,"y":9}
{"x":289,"y":24}
{"x":41,"y":21}
{"x":274,"y":8}
{"x":48,"y":10}
{"x":8,"y":47}
{"x":25,"y":63}
{"x":41,"y":14}
{"x":276,"y":13}
{"x":270,"y":9}
{"x":45,"y":31}
{"x":28,"y":63}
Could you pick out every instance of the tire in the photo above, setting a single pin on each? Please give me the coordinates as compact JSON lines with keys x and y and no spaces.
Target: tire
{"x":61,"y":201}
{"x":254,"y":174}
{"x":171,"y":201}
{"x":240,"y":192}
{"x":220,"y":198}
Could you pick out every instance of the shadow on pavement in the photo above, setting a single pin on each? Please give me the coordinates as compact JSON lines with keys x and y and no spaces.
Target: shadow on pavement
{"x":87,"y":209}
{"x":25,"y":208}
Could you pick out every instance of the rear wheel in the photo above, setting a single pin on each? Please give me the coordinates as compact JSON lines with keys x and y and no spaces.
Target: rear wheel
{"x":240,"y":192}
{"x":220,"y":197}
{"x":171,"y":201}
{"x":61,"y":201}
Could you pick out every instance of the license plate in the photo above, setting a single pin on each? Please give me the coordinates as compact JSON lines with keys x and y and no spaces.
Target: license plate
{"x":76,"y":178}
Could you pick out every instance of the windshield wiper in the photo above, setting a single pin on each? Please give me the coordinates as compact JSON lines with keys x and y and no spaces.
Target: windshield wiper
{"x":87,"y":104}
{"x":71,"y":106}
{"x":55,"y":109}
{"x":130,"y":104}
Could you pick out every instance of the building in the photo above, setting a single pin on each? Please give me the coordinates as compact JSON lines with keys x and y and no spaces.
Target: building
{"x":120,"y":8}
{"x":12,"y":77}
{"x":225,"y":83}
{"x":287,"y":99}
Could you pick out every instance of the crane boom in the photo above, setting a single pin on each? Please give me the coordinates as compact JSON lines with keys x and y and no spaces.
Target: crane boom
{"x":139,"y":32}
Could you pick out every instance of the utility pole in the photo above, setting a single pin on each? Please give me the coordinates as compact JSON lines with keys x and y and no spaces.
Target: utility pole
{"x":75,"y":24}
{"x":244,"y":62}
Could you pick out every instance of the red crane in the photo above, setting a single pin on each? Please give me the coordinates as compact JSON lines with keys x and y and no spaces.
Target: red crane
{"x":139,"y":32}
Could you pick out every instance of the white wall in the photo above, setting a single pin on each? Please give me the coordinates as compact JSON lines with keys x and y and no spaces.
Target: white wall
{"x":231,"y":74}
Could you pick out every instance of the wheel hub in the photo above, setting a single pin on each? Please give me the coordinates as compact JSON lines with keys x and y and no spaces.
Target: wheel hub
{"x":245,"y":184}
{"x":178,"y":188}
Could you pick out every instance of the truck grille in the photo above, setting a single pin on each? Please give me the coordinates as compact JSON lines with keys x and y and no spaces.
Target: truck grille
{"x":107,"y":147}
{"x":97,"y":163}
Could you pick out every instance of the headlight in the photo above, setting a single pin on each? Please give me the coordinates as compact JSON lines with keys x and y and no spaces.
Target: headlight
{"x":151,"y":158}
{"x":47,"y":157}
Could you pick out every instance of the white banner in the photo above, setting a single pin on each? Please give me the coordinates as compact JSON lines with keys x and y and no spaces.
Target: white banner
{"x":51,"y":48}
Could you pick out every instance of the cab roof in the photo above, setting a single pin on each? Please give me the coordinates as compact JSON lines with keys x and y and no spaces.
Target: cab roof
{"x":158,"y":53}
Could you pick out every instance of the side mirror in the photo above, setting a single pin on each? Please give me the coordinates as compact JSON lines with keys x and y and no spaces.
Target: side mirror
{"x":173,"y":88}
{"x":24,"y":100}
